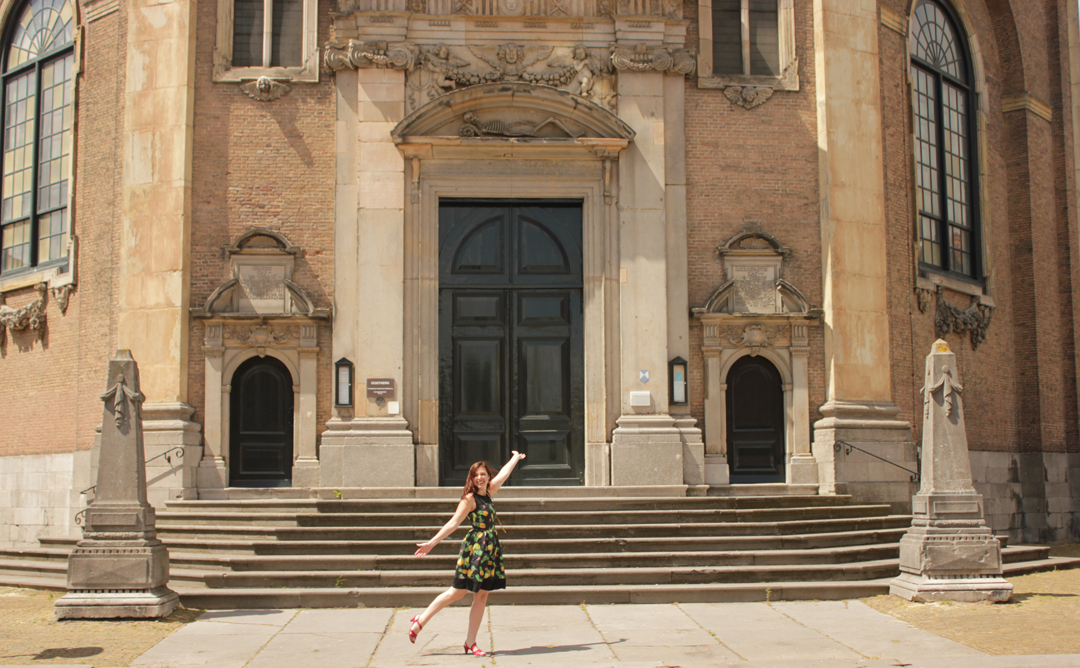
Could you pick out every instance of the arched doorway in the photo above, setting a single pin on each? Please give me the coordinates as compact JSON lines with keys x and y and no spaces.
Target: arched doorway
{"x":261,"y":424}
{"x":755,"y":421}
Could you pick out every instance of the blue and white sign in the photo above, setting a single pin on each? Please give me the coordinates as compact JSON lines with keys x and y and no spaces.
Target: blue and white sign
{"x":644,"y":376}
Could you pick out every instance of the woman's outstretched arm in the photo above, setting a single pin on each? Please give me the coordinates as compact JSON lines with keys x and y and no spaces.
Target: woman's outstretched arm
{"x":466,"y":506}
{"x":504,"y":474}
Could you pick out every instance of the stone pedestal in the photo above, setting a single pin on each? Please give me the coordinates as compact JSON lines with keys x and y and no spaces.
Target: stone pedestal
{"x":119,"y":568}
{"x":949,"y":554}
{"x":367,"y":452}
{"x":646,"y":450}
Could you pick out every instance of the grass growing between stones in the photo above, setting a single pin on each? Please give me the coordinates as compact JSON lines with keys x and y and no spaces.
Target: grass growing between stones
{"x":1041,"y":618}
{"x":30,"y":634}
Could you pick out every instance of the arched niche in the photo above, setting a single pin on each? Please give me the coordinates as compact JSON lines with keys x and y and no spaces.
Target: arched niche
{"x":259,"y":312}
{"x":755,"y":311}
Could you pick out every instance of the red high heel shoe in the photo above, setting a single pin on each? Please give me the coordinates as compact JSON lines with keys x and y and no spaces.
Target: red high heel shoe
{"x":412,"y":634}
{"x":476,"y":651}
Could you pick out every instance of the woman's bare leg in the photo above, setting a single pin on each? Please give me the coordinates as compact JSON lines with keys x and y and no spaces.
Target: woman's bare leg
{"x":476,"y":615}
{"x":441,"y":601}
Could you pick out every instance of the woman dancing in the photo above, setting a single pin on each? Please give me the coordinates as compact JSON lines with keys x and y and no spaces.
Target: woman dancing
{"x":480,"y":563}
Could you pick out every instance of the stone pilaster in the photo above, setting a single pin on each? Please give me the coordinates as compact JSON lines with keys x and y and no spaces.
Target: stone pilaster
{"x":119,"y":568}
{"x":853,"y":239}
{"x":155,"y":232}
{"x":646,"y":448}
{"x":949,"y":554}
{"x":369,"y":444}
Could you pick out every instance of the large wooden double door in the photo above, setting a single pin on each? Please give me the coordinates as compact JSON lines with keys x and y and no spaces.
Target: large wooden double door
{"x":511,"y":361}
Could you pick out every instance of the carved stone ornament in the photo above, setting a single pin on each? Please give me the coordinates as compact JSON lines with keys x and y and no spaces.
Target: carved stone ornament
{"x":923,"y":296}
{"x":643,"y":58}
{"x":975,"y":319}
{"x":472,"y":126}
{"x":579,"y":70}
{"x":379,"y":54}
{"x":125,"y":401}
{"x":62,"y":295}
{"x":754,"y":336}
{"x":31,"y":316}
{"x":748,"y":97}
{"x":265,"y":89}
{"x":262,"y":335}
{"x":585,"y":9}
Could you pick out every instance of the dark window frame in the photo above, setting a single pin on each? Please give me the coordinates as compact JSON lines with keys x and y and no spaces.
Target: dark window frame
{"x":942,"y":220}
{"x":35,"y":65}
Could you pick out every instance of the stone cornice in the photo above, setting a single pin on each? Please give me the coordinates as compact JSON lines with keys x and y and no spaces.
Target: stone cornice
{"x":1027,"y":101}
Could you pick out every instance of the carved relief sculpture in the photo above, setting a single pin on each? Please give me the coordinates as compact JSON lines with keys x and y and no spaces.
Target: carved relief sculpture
{"x":642,"y":58}
{"x":474,"y":127}
{"x":975,"y":319}
{"x":31,"y":316}
{"x":265,"y":89}
{"x":748,"y":97}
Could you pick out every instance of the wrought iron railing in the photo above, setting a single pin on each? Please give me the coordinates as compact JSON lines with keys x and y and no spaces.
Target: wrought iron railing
{"x":177,"y":452}
{"x":848,"y":447}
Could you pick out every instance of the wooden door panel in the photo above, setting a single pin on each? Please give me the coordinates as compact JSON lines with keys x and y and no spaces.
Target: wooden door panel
{"x":511,"y":340}
{"x":755,"y":420}
{"x":261,"y":424}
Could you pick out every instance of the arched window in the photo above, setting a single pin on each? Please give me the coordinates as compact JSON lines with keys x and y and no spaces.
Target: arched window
{"x":38,"y":63}
{"x":945,"y":176}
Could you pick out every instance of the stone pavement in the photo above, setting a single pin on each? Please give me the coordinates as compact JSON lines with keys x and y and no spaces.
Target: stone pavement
{"x":833,"y":634}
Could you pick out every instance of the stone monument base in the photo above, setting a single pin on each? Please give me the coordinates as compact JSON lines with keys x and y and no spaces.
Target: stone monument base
{"x":962,"y":589}
{"x":123,"y":603}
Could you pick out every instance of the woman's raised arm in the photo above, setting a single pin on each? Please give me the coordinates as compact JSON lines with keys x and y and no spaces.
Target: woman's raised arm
{"x":466,"y":506}
{"x":504,"y":474}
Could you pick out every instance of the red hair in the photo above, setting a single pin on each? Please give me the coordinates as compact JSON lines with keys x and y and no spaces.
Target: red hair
{"x":470,"y":482}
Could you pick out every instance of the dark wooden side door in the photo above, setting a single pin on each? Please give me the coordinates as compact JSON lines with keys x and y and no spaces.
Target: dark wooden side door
{"x":511,"y":361}
{"x":755,"y":421}
{"x":261,"y":425}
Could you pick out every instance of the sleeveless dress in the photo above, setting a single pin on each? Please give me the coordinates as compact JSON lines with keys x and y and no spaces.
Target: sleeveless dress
{"x":480,"y":563}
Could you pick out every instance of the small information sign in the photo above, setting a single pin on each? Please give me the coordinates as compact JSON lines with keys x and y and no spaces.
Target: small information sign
{"x":381,"y":388}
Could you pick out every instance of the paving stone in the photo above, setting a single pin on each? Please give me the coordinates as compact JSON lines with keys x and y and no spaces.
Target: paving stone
{"x":325,"y":650}
{"x":362,"y":620}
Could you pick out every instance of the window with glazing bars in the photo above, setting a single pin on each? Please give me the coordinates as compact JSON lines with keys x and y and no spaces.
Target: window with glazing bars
{"x":268,"y":33}
{"x":746,"y":37}
{"x":944,"y":151}
{"x":38,"y":112}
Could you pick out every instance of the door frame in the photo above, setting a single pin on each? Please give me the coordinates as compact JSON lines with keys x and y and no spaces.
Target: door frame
{"x":584,"y":175}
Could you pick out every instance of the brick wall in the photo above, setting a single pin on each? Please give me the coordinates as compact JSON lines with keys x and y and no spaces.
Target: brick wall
{"x":49,"y":395}
{"x":261,"y":164}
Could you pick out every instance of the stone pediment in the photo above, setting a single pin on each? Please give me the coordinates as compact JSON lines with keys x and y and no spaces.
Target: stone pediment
{"x":513,"y":111}
{"x":753,"y":280}
{"x":261,"y":285}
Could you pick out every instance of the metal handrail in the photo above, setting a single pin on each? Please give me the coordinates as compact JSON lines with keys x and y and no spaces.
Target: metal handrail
{"x":177,"y":451}
{"x":915,"y":475}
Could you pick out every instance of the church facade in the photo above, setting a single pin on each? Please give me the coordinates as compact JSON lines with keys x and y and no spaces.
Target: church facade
{"x":356,"y":245}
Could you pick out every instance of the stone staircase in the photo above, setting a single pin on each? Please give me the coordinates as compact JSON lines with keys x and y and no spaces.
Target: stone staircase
{"x":562,"y":546}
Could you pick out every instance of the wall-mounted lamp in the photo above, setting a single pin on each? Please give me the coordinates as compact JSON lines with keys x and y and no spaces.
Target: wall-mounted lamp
{"x":677,"y":382}
{"x":343,"y":381}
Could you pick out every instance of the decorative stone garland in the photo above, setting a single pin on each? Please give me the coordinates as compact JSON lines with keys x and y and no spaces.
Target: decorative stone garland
{"x":30,"y":316}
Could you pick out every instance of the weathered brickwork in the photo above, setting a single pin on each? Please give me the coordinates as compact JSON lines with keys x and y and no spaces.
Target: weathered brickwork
{"x":259,"y":164}
{"x":754,"y":170}
{"x":49,"y":396}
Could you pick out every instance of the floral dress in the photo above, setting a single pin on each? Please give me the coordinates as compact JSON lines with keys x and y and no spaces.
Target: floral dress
{"x":480,"y":564}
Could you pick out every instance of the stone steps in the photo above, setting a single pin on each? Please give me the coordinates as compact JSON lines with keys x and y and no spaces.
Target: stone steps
{"x":257,"y":552}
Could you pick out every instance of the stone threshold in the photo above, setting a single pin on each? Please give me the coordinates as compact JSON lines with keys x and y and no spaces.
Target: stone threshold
{"x":639,"y":491}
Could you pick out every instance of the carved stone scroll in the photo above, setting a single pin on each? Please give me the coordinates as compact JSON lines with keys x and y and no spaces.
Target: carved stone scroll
{"x":380,"y":54}
{"x":32,"y":316}
{"x":643,"y":58}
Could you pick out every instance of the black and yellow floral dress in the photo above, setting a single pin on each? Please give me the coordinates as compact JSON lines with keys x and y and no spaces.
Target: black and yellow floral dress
{"x":480,"y":564}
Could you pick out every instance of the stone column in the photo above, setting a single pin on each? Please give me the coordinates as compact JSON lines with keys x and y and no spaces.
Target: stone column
{"x":305,"y":471}
{"x":859,"y":404}
{"x":212,"y":473}
{"x":716,"y":467}
{"x":646,"y":448}
{"x":949,"y":554}
{"x":371,"y":445}
{"x":119,"y":568}
{"x":802,"y":467}
{"x":154,"y":261}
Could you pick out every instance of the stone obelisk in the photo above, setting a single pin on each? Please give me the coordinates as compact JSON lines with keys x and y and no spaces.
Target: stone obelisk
{"x":119,"y":568}
{"x":948,"y":554}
